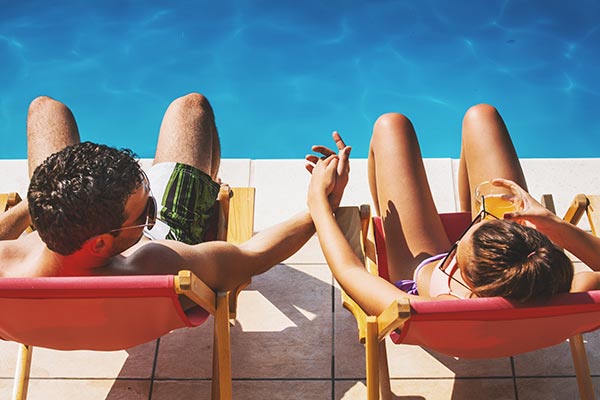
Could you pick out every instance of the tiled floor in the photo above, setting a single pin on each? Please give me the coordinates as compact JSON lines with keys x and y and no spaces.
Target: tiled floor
{"x":293,"y":340}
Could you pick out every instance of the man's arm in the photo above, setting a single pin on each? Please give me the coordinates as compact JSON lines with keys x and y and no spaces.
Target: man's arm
{"x":14,"y":221}
{"x":221,"y":265}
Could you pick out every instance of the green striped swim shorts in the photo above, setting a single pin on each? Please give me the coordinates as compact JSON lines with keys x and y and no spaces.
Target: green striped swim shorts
{"x":186,"y":200}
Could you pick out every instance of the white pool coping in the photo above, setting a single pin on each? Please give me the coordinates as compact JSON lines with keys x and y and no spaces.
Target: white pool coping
{"x":281,"y":184}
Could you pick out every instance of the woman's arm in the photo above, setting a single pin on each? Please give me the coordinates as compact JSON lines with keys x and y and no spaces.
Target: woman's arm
{"x":372,"y":293}
{"x":582,"y":244}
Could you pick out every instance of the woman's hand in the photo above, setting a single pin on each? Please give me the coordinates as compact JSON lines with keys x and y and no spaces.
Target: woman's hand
{"x":323,"y":180}
{"x":533,"y":214}
{"x":342,"y":170}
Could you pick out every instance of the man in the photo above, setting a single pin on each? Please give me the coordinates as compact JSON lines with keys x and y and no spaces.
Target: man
{"x":95,"y":210}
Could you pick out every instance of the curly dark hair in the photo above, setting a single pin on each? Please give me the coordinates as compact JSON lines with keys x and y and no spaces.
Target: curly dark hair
{"x":517,"y":262}
{"x":81,"y":191}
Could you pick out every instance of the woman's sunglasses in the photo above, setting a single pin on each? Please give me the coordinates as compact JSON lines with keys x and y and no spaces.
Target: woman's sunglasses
{"x":448,"y":267}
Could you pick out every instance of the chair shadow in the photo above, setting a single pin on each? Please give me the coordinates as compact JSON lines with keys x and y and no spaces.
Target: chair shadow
{"x":282,"y":337}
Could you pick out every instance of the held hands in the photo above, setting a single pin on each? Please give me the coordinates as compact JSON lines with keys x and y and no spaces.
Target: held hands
{"x":330,"y":179}
{"x":322,"y":181}
{"x":533,"y":214}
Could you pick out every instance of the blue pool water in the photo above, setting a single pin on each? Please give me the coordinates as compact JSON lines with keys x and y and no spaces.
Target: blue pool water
{"x":282,"y":75}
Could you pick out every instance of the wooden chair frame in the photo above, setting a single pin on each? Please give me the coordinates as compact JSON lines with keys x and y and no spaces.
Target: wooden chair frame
{"x":235,"y":224}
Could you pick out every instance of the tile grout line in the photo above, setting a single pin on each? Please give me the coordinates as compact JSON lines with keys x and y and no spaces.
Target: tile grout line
{"x":332,"y":338}
{"x":514,"y":376}
{"x":154,"y":363}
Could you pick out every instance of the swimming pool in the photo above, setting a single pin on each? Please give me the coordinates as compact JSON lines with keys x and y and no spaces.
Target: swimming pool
{"x":282,"y":75}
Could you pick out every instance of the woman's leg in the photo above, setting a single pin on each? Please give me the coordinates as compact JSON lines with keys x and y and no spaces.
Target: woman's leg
{"x":50,"y":128}
{"x":487,"y":153}
{"x":402,"y":196}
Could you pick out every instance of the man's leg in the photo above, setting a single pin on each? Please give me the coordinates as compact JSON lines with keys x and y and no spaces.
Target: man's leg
{"x":487,"y":153}
{"x":188,"y":135}
{"x":401,"y":193}
{"x":50,"y":127}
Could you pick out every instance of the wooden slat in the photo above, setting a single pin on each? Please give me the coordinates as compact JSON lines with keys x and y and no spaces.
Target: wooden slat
{"x":593,"y":213}
{"x":548,"y":202}
{"x":348,"y":219}
{"x":8,"y":200}
{"x":223,"y":198}
{"x":241,"y":215}
{"x":576,"y":209}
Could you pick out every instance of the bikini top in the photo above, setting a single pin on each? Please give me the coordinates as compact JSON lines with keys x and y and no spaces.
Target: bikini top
{"x":441,"y":283}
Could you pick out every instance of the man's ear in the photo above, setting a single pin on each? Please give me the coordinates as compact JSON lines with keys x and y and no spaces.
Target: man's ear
{"x":101,"y":245}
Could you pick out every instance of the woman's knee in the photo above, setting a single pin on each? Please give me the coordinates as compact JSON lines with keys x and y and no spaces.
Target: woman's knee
{"x":391,"y":127}
{"x":481,"y":113}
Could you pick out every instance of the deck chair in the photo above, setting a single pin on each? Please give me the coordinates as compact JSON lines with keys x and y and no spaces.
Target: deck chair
{"x":119,"y":312}
{"x":470,"y":328}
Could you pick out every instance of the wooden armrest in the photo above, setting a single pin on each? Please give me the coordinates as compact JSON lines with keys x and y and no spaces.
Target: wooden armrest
{"x":188,"y":284}
{"x":393,"y":317}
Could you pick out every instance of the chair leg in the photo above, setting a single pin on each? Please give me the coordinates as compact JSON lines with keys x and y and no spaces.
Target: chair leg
{"x":221,"y":382}
{"x":385,"y":389}
{"x":372,"y":357}
{"x":23,"y":369}
{"x":582,"y":368}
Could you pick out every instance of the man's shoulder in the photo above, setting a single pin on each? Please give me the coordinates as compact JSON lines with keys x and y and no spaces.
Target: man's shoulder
{"x":19,"y":257}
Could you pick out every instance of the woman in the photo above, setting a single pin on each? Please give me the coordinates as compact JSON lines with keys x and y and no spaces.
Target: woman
{"x":493,"y":257}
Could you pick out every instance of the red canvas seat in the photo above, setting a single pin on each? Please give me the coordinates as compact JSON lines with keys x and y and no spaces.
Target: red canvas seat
{"x":93,"y":313}
{"x":119,"y":312}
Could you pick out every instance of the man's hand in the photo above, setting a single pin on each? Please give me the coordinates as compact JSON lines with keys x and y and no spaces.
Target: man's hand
{"x":342,"y":171}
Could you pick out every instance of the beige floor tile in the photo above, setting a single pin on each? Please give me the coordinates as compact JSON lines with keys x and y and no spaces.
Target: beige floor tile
{"x":15,"y":177}
{"x":310,"y":253}
{"x":551,"y":388}
{"x":281,"y":193}
{"x":404,"y":361}
{"x":253,"y":389}
{"x":434,"y":389}
{"x":176,"y":390}
{"x":8,"y":358}
{"x":283,"y":330}
{"x":563,"y":178}
{"x":556,"y":360}
{"x":101,"y":389}
{"x":186,"y":353}
{"x":235,"y":172}
{"x":133,"y":363}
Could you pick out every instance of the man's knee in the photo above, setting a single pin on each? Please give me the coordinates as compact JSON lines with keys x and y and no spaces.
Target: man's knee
{"x":44,"y":104}
{"x":193,"y":102}
{"x":391,"y":126}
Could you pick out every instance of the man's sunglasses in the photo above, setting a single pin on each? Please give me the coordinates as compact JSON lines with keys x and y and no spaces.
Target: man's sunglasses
{"x":150,"y":217}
